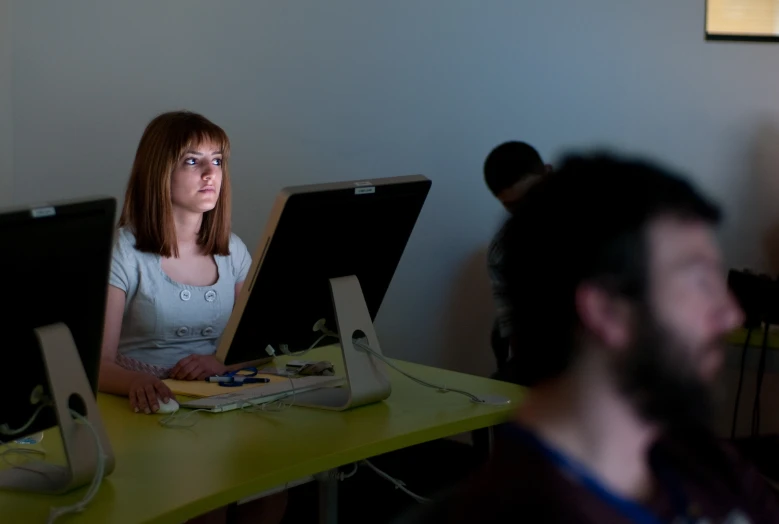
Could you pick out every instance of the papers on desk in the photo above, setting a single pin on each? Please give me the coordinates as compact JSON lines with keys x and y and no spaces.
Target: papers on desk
{"x":202,"y":389}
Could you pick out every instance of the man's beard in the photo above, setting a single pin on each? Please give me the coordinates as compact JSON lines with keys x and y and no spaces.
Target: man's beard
{"x":660,"y":379}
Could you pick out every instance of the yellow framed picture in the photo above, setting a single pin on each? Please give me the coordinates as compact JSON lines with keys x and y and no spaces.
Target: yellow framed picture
{"x":745,"y":20}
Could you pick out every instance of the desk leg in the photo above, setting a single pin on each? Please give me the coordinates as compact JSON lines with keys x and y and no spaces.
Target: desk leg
{"x":483,"y":442}
{"x":328,"y":496}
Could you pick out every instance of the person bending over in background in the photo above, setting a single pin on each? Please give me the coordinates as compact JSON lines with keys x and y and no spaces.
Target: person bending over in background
{"x":509,"y":170}
{"x":624,"y":301}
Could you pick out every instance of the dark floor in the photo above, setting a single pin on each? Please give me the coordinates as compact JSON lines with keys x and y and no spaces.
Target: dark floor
{"x":426,"y":469}
{"x":763,"y":452}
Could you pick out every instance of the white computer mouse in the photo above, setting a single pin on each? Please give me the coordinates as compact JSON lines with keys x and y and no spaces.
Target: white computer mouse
{"x":171,"y":406}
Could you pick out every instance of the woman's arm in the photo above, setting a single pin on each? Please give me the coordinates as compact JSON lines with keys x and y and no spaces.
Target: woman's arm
{"x":113,"y":378}
{"x":141,"y":388}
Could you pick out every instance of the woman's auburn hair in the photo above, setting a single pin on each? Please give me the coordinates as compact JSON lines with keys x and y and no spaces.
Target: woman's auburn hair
{"x":147,"y":209}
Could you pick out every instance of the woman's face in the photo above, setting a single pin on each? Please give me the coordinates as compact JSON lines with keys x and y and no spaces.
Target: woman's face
{"x":197,"y":179}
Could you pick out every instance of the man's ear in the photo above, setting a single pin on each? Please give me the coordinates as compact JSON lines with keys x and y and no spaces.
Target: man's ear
{"x":605,"y":316}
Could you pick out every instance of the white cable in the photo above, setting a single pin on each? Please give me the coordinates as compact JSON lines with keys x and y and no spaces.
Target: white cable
{"x":250,"y":407}
{"x":441,"y":389}
{"x":18,"y":451}
{"x":79,"y":506}
{"x":343,"y":476}
{"x":398,"y":483}
{"x":303,"y":352}
{"x":282,"y":406}
{"x":5,"y":430}
{"x":365,"y":347}
{"x":176,"y":419}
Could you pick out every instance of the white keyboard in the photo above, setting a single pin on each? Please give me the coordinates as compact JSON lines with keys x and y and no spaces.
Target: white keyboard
{"x":238,"y":397}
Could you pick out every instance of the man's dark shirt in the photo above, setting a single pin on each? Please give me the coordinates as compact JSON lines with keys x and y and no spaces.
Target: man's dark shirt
{"x":520,"y":484}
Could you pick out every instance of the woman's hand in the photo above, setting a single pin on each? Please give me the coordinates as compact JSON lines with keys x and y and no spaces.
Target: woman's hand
{"x":197,"y":367}
{"x":144,"y":392}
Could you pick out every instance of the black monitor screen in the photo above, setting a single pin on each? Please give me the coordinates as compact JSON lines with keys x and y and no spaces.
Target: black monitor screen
{"x":55,"y":269}
{"x":324,"y":234}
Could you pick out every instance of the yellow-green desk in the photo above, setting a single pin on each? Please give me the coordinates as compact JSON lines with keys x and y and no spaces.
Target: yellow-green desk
{"x":170,"y":475}
{"x":739,"y":336}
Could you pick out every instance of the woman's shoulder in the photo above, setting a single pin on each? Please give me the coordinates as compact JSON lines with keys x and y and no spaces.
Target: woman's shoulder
{"x":237,"y":247}
{"x":240,"y":259}
{"x":124,"y":246}
{"x":125,"y":237}
{"x":126,"y":262}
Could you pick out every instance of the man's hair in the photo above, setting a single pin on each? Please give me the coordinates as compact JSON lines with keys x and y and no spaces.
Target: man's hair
{"x":583,"y":223}
{"x":147,"y":207}
{"x":509,"y":163}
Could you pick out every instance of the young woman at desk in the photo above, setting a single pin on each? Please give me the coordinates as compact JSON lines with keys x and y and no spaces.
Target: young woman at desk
{"x":175,"y":273}
{"x":176,"y":266}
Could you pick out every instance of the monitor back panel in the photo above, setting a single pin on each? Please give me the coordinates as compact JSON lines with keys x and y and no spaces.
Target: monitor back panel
{"x":54,"y":264}
{"x":323,"y":232}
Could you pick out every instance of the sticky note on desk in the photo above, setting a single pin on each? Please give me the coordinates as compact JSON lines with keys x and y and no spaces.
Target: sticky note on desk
{"x":201,"y":388}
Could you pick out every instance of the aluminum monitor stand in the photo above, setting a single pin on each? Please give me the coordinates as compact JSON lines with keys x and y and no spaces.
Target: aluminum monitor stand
{"x":366,"y":377}
{"x":70,"y":389}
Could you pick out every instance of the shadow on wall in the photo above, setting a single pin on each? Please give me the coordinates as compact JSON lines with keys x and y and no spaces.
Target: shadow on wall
{"x":766,"y":184}
{"x":468,"y":319}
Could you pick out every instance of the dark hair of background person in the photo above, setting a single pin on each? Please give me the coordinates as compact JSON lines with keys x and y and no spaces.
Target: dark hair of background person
{"x":509,"y":163}
{"x":585,"y":222}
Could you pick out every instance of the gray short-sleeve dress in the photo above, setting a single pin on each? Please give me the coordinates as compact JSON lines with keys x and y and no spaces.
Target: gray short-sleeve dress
{"x":165,"y":321}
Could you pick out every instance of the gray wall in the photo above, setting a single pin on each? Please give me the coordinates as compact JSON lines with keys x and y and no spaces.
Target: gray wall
{"x":6,"y":121}
{"x":314,"y":91}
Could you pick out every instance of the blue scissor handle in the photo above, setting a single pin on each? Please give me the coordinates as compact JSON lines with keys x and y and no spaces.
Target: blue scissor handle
{"x":244,"y":373}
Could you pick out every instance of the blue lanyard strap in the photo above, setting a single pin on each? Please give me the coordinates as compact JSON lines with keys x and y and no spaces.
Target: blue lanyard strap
{"x":631,"y":510}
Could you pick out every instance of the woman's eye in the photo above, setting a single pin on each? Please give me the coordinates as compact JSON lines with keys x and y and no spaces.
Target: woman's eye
{"x":217,"y":161}
{"x":190,"y":161}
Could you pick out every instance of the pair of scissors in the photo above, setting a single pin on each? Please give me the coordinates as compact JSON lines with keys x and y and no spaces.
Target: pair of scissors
{"x":237,"y":378}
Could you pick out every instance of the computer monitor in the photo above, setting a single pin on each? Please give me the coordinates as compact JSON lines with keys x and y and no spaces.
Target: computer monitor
{"x":329,"y":252}
{"x":55,"y":267}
